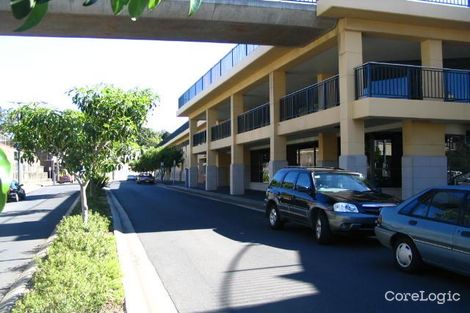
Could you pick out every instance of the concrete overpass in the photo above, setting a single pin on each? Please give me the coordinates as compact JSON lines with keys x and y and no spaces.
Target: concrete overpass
{"x":283,"y":23}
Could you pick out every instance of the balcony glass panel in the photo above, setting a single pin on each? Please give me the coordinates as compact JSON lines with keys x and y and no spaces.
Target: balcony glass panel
{"x":174,"y":134}
{"x":223,"y":66}
{"x":221,"y":131}
{"x":254,"y":118}
{"x":383,"y":80}
{"x":199,"y":138}
{"x":462,"y":3}
{"x":320,"y":96}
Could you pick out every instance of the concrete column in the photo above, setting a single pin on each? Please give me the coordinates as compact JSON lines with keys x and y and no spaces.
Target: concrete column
{"x":327,"y":150}
{"x":351,"y":130}
{"x":237,"y":173}
{"x":431,"y":56}
{"x":192,"y":158}
{"x":277,"y":144}
{"x":424,"y":163}
{"x":223,"y":168}
{"x":185,"y":164}
{"x":431,"y":53}
{"x":211,"y":155}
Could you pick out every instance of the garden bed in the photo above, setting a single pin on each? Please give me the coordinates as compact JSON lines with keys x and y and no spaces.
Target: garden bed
{"x":81,"y":271}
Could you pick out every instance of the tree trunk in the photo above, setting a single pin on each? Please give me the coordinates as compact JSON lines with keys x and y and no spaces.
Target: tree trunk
{"x":83,"y":201}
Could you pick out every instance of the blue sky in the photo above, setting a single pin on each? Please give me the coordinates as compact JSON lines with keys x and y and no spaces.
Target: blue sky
{"x":43,"y":69}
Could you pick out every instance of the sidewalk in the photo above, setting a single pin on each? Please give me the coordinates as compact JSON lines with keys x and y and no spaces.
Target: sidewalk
{"x":25,"y":229}
{"x":252,"y":199}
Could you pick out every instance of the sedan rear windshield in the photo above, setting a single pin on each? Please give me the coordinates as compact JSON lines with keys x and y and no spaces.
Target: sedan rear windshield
{"x":337,"y":182}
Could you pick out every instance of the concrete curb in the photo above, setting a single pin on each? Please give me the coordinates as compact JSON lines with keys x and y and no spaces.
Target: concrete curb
{"x":20,"y":286}
{"x":144,"y":290}
{"x":249,"y":204}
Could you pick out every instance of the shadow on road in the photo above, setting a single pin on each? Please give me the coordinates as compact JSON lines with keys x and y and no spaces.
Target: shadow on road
{"x":351,"y":275}
{"x":26,"y":229}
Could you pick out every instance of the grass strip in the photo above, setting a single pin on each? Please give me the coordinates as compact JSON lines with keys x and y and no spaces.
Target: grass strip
{"x":81,"y":271}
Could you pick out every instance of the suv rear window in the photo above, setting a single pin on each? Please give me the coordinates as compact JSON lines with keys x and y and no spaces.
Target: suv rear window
{"x":289,"y":180}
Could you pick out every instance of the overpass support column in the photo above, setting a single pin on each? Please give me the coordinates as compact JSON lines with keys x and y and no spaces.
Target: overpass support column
{"x":237,"y":165}
{"x":424,"y":163}
{"x":277,"y":144}
{"x":352,"y":131}
{"x":192,"y":162}
{"x":327,"y":150}
{"x":211,"y":155}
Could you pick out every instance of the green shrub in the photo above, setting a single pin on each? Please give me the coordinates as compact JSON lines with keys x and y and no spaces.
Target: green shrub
{"x":80,"y":273}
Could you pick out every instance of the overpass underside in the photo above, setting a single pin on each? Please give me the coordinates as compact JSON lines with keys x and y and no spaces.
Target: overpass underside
{"x":236,"y":21}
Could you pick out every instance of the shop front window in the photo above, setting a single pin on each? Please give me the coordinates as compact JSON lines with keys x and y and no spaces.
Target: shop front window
{"x":260,"y":166}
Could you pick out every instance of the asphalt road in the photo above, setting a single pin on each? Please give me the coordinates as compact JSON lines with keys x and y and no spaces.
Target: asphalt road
{"x":26,"y":225}
{"x":219,"y":257}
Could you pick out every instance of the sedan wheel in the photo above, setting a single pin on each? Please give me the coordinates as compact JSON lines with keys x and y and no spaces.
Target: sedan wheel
{"x":274,"y":218}
{"x":407,"y":256}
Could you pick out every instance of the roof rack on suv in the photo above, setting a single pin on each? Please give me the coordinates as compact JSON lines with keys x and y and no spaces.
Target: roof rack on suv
{"x":326,"y":168}
{"x":315,"y":167}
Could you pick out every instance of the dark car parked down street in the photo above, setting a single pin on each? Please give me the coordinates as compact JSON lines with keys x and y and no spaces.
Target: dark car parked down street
{"x":432,"y":227}
{"x":16,"y":192}
{"x":329,"y":200}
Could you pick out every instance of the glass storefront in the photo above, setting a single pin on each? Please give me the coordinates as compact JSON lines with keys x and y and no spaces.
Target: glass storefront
{"x":458,"y":155}
{"x":384,"y":152}
{"x":259,"y":166}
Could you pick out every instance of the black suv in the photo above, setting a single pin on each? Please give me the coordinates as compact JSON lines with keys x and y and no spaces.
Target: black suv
{"x":329,"y":200}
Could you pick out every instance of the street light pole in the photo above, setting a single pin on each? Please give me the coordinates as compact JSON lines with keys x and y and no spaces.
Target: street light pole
{"x":19,"y":164}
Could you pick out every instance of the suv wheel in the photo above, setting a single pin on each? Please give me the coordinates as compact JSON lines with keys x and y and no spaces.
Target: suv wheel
{"x":321,"y":228}
{"x":273,"y":217}
{"x":407,"y":257}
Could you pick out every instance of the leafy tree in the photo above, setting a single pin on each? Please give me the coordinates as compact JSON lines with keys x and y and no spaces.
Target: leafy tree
{"x":33,"y":11}
{"x":89,"y":142}
{"x":151,"y":138}
{"x":154,"y":158}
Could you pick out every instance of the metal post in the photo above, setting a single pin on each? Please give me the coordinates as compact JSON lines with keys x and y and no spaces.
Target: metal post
{"x":53,"y":172}
{"x":19,"y":165}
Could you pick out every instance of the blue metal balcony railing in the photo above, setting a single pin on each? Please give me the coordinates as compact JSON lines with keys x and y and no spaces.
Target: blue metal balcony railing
{"x":254,"y":118}
{"x":199,"y":138}
{"x":222,"y":67}
{"x":460,"y":3}
{"x":221,"y":131}
{"x":302,"y":1}
{"x":174,"y":134}
{"x":320,"y":96}
{"x":383,"y":80}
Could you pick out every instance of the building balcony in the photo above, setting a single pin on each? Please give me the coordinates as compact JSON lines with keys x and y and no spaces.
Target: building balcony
{"x":314,"y":98}
{"x":175,"y":134}
{"x":199,"y":138}
{"x":460,"y":3}
{"x":255,"y":118}
{"x":221,"y":130}
{"x":221,"y":68}
{"x":384,"y":80}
